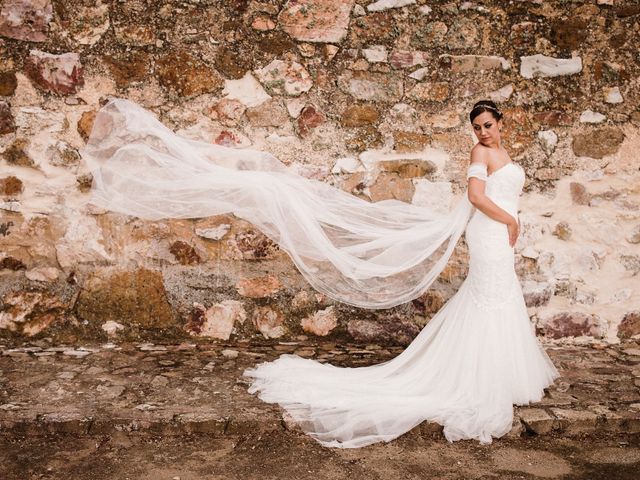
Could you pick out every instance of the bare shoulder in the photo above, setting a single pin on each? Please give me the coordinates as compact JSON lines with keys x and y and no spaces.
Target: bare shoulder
{"x":480,"y":154}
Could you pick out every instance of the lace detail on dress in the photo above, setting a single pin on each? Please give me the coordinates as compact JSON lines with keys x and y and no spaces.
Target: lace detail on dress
{"x":492,"y":290}
{"x":491,"y":274}
{"x":478,"y":170}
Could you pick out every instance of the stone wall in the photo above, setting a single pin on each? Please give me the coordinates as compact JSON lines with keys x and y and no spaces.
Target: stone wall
{"x":371,"y":97}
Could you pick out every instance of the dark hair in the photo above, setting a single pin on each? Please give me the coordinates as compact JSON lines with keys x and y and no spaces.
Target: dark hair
{"x":485,"y":106}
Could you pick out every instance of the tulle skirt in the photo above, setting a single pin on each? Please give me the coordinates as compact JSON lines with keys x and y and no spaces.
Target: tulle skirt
{"x":465,"y":370}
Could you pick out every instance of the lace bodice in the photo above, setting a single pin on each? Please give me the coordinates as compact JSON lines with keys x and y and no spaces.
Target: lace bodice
{"x":491,"y":264}
{"x":504,"y":185}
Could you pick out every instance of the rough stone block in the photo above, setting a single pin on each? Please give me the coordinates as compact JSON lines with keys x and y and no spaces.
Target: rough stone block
{"x":209,"y":423}
{"x":26,"y":19}
{"x":187,"y":75}
{"x":430,"y":430}
{"x":245,"y":426}
{"x":517,"y":428}
{"x":575,"y":421}
{"x":630,"y":422}
{"x":598,"y":143}
{"x":630,"y":325}
{"x":7,"y":122}
{"x":65,"y":422}
{"x":316,"y":20}
{"x":61,"y":74}
{"x":558,"y":399}
{"x":608,"y":420}
{"x":289,"y":423}
{"x":543,"y":66}
{"x":135,"y":298}
{"x":537,"y":420}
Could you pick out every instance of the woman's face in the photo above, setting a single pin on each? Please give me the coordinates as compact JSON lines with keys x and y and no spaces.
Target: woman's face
{"x":487,"y":129}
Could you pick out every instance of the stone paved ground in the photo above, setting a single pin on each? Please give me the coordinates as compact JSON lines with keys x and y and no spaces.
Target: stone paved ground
{"x":104,"y":403}
{"x":279,"y":455}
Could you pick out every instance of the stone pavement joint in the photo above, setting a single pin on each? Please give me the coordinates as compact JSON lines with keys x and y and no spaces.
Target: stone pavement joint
{"x":170,"y":390}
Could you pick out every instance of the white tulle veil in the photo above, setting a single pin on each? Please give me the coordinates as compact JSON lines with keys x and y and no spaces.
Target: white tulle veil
{"x":372,"y":255}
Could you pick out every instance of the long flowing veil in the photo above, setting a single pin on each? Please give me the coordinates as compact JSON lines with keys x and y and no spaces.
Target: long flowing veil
{"x":372,"y":255}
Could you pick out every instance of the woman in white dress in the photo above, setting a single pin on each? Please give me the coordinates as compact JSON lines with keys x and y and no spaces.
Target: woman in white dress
{"x":475,"y":358}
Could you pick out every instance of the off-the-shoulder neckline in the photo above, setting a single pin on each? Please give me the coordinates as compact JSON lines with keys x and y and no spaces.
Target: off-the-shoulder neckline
{"x":496,"y":171}
{"x":482,"y":165}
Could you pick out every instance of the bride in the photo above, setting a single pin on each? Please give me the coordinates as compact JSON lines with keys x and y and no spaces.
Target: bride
{"x":474,"y":359}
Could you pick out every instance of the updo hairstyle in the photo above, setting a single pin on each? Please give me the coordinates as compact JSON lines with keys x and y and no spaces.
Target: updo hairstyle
{"x":485,"y":106}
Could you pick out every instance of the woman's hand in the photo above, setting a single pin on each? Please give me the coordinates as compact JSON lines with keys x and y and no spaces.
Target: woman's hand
{"x":513,"y":227}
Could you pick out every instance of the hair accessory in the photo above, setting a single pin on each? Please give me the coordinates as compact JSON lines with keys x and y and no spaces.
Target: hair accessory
{"x":488,"y":107}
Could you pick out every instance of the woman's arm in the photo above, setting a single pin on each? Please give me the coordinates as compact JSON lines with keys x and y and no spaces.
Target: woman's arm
{"x":485,"y":204}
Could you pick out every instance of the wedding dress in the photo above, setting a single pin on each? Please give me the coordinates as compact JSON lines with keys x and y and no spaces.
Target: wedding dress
{"x":474,"y":359}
